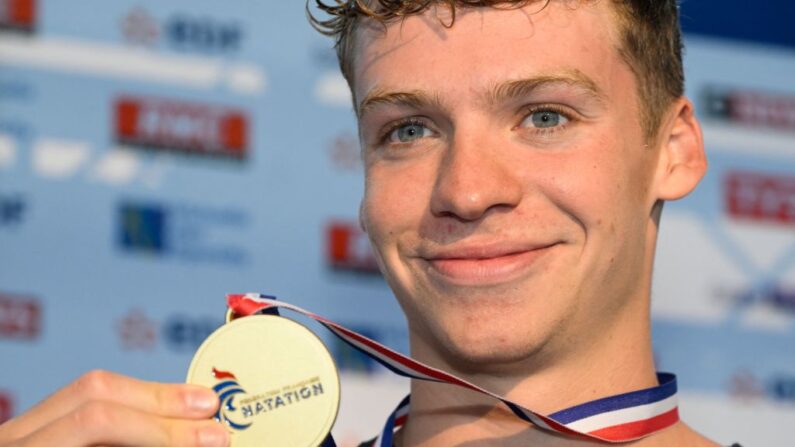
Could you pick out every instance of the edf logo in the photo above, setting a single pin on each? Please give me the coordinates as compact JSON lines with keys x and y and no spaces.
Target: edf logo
{"x":184,"y":333}
{"x":180,"y":333}
{"x":182,"y":32}
{"x":189,"y":33}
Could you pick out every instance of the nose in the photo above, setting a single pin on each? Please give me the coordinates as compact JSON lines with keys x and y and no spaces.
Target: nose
{"x":473,"y":179}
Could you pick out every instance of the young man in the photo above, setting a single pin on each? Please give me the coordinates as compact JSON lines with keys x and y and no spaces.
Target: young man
{"x":517,"y":156}
{"x":517,"y":159}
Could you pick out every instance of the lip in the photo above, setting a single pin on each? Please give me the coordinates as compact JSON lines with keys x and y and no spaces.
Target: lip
{"x":485,"y":265}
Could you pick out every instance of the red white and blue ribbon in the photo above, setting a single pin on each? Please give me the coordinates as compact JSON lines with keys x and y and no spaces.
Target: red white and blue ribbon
{"x":620,"y":418}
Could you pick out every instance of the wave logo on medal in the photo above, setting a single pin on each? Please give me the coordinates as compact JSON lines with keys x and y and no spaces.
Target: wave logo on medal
{"x":249,"y":406}
{"x":227,"y":390}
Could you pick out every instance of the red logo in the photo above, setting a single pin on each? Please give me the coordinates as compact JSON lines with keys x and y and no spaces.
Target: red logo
{"x":19,"y":15}
{"x":349,"y":249}
{"x":139,"y":27}
{"x":6,"y":406}
{"x":181,"y":127}
{"x":220,"y":375}
{"x":20,"y":317}
{"x":760,"y":197}
{"x":137,"y":331}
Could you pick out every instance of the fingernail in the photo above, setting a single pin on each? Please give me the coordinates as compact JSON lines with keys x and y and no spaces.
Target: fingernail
{"x":215,"y":436}
{"x":202,"y":401}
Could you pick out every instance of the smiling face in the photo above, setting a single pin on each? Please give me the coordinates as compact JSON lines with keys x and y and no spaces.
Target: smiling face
{"x":508,"y":182}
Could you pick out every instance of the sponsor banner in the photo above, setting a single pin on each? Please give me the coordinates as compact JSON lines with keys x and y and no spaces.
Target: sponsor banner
{"x":20,"y":317}
{"x":760,"y":197}
{"x":18,"y":15}
{"x":136,"y":331}
{"x":181,"y":333}
{"x":6,"y":406}
{"x":782,"y":298}
{"x":182,"y":31}
{"x":753,"y":108}
{"x":748,"y":386}
{"x":753,"y":369}
{"x":348,"y":249}
{"x":778,"y":298}
{"x":181,"y":126}
{"x":190,"y":233}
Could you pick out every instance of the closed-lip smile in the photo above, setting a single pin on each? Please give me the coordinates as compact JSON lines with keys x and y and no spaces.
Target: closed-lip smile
{"x":492,"y":264}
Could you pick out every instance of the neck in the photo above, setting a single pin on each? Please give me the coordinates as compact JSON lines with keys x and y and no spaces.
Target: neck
{"x":447,"y":415}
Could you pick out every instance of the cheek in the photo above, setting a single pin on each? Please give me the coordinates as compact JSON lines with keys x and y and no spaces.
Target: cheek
{"x":587,"y":188}
{"x":394,"y":200}
{"x":601,"y":186}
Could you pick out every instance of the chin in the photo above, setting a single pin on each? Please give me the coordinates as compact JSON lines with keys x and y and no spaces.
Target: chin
{"x":487,"y":343}
{"x":490,"y":359}
{"x":486,"y":328}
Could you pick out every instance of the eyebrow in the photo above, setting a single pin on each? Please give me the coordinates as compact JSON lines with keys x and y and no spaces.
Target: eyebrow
{"x":524,"y":87}
{"x":413,"y":98}
{"x":499,"y":93}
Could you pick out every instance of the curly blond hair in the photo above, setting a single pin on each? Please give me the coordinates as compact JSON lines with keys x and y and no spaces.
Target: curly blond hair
{"x":650,"y":40}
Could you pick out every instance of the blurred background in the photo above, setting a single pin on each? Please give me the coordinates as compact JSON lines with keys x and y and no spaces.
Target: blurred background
{"x":156,"y":155}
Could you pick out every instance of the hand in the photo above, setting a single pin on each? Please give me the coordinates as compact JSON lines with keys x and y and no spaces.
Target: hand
{"x":103,"y":408}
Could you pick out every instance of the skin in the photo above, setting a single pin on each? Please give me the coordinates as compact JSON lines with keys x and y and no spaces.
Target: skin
{"x":513,"y":203}
{"x":520,"y":247}
{"x":103,"y":408}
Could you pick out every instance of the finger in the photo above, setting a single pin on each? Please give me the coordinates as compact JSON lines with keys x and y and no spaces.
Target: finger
{"x":110,"y":423}
{"x":167,"y":400}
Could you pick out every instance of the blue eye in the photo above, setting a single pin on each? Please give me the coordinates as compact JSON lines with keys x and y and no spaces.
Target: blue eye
{"x":408,"y":132}
{"x":545,"y":119}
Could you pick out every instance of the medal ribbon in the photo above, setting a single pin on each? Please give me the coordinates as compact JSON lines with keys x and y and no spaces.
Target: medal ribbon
{"x":620,"y":418}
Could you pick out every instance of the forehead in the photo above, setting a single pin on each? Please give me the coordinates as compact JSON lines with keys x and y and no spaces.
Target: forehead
{"x":487,"y":46}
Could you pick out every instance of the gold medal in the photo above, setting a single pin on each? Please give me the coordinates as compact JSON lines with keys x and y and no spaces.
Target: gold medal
{"x":277,"y":382}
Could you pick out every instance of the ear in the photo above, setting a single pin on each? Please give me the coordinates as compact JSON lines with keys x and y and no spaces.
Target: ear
{"x":682,"y":161}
